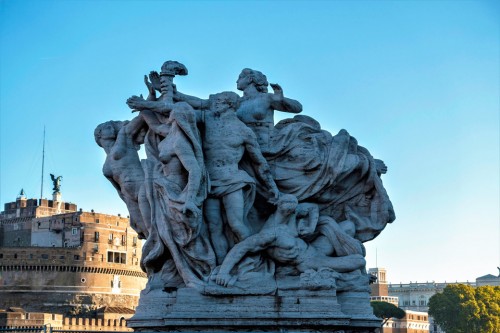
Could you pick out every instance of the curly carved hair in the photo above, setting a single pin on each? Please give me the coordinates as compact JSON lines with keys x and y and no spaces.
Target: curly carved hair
{"x":258,"y":79}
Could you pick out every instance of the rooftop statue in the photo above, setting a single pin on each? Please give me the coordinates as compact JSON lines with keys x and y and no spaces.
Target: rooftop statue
{"x":56,"y":181}
{"x":231,"y":203}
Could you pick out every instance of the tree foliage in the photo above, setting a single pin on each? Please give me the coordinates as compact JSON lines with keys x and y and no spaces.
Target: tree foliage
{"x":386,"y":311}
{"x":465,"y":309}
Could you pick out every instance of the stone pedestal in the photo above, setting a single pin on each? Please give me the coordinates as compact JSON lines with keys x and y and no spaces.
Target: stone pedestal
{"x":186,"y":310}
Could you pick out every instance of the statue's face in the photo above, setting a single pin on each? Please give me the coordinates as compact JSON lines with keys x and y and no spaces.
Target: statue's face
{"x":304,"y":227}
{"x":288,"y":207}
{"x":219,"y":103}
{"x":243,"y":81}
{"x":165,"y":82}
{"x":108,"y":131}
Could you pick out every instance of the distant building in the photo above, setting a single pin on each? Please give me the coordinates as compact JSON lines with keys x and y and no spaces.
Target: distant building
{"x":413,"y":322}
{"x":414,"y":296}
{"x":54,"y":258}
{"x":489,"y":280}
{"x":108,"y":319}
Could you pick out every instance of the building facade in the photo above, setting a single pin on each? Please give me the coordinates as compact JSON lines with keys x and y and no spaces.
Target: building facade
{"x":413,"y":322}
{"x":55,"y":257}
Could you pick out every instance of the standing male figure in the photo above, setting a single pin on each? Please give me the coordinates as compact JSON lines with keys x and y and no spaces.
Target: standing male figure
{"x":226,"y":140}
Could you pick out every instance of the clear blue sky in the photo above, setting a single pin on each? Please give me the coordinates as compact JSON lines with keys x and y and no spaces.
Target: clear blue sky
{"x":416,"y":82}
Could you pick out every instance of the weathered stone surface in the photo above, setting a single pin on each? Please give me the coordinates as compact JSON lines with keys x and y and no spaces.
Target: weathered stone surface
{"x":250,"y":226}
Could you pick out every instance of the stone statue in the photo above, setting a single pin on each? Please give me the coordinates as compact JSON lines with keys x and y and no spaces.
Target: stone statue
{"x":233,"y":205}
{"x":56,"y":181}
{"x":257,"y":106}
{"x":281,"y":238}
{"x":122,"y":167}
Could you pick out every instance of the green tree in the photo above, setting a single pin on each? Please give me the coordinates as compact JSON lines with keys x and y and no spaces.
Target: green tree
{"x":386,"y":311}
{"x":465,"y":309}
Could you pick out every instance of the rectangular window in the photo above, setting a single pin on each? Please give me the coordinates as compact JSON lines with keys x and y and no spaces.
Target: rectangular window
{"x":134,"y":241}
{"x":117,"y":257}
{"x":96,"y":220}
{"x":45,"y":256}
{"x":96,"y":236}
{"x":110,"y":237}
{"x":74,"y":231}
{"x":124,"y":239}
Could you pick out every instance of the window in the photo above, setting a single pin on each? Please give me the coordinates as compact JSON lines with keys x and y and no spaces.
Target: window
{"x":124,"y":239}
{"x":76,"y":257}
{"x":110,"y":237}
{"x":74,"y":231}
{"x":45,"y":256}
{"x":117,"y":257}
{"x":96,"y":236}
{"x":96,"y":220}
{"x":15,"y":255}
{"x":134,"y":241}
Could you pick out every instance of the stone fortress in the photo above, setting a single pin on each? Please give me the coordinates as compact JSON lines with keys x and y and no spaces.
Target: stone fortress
{"x":57,"y":259}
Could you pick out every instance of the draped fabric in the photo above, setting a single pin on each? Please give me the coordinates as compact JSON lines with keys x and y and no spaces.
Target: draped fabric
{"x":332,"y":171}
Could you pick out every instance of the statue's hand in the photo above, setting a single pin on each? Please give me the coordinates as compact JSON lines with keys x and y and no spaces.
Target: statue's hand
{"x":190,"y":209}
{"x":277,"y":89}
{"x":154,"y":77}
{"x":276,"y":195}
{"x":136,"y":103}
{"x":224,"y":279}
{"x":149,"y":85}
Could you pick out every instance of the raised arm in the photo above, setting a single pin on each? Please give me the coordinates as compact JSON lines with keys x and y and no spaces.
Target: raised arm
{"x":281,"y":103}
{"x":134,"y":126}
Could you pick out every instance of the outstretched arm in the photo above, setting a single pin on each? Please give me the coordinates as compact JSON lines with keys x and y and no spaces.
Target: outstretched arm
{"x":254,"y":243}
{"x":281,"y":103}
{"x":138,"y":103}
{"x":195,"y":102}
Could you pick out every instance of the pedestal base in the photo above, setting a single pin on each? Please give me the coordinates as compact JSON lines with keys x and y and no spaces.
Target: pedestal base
{"x":186,"y":310}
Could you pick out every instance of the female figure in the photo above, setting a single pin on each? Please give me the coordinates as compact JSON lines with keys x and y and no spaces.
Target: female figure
{"x":120,"y":140}
{"x":257,"y":106}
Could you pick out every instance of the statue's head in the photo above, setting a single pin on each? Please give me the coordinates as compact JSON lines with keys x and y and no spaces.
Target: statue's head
{"x":287,"y":204}
{"x":249,"y":76}
{"x":173,"y":68}
{"x":108,"y":130}
{"x":224,"y":100}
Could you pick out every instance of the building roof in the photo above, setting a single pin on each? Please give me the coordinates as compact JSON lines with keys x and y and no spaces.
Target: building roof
{"x":487,"y":277}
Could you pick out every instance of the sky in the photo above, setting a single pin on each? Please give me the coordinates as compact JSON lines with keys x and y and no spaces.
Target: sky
{"x":415,"y":82}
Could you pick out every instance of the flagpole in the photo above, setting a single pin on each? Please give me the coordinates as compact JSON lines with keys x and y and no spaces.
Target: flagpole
{"x":43,"y":163}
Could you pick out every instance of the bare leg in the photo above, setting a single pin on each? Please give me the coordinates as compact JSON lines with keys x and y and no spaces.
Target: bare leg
{"x":343,"y":264}
{"x":234,"y":208}
{"x":212,"y":209}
